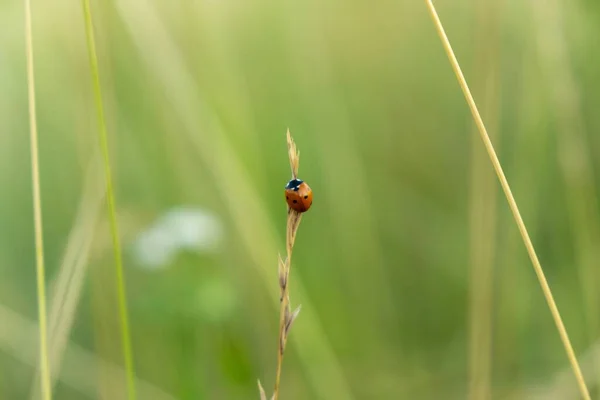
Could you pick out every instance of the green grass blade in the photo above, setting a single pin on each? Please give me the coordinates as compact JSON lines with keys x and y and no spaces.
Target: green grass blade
{"x":126,"y":338}
{"x":37,"y":212}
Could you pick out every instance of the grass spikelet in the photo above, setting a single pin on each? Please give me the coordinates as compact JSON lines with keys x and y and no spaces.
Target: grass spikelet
{"x":293,"y":154}
{"x":263,"y":395}
{"x":286,"y":315}
{"x":511,"y":201}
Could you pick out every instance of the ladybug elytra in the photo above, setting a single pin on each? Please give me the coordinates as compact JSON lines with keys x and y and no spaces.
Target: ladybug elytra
{"x":298,"y":195}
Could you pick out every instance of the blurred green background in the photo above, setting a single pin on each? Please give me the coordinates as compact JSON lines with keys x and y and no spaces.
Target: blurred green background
{"x":412,"y":276}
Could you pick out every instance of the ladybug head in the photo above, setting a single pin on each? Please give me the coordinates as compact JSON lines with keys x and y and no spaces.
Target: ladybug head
{"x":294,"y":184}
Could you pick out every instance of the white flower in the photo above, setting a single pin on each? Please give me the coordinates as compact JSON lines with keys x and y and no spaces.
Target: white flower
{"x":181,"y":228}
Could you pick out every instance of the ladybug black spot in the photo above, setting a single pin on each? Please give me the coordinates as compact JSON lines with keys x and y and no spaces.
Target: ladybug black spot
{"x":287,"y":198}
{"x":306,"y":196}
{"x":295,"y":201}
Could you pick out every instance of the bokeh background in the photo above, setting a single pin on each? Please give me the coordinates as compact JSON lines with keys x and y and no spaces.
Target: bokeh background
{"x":412,"y":276}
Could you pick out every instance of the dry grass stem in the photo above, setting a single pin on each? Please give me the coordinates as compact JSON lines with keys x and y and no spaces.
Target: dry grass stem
{"x":286,"y":315}
{"x":511,"y":201}
{"x":37,"y":212}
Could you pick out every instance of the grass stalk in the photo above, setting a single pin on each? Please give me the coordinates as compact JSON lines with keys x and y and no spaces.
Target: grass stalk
{"x":46,"y":387}
{"x":67,"y":288}
{"x":286,"y":315}
{"x":511,"y":201}
{"x":121,"y":293}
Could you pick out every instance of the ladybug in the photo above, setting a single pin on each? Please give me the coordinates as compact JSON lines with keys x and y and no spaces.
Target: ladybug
{"x":298,"y":195}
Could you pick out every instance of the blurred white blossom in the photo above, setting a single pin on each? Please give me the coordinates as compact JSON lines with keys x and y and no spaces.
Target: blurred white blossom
{"x":181,"y":228}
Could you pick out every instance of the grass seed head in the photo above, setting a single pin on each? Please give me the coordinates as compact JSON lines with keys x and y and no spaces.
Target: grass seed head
{"x":293,"y":154}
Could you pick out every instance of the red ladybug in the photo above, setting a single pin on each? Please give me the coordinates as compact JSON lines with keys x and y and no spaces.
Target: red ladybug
{"x":298,"y":195}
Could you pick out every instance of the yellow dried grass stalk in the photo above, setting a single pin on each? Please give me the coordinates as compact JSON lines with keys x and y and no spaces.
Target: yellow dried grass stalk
{"x":511,"y":201}
{"x":286,"y":315}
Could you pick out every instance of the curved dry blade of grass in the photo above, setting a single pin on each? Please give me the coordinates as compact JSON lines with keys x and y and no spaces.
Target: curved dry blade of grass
{"x":511,"y":201}
{"x":122,"y":299}
{"x":37,"y":212}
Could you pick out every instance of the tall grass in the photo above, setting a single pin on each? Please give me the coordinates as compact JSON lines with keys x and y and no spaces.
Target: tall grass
{"x":37,"y":211}
{"x":110,"y":196}
{"x":393,"y":281}
{"x":511,"y":200}
{"x":68,"y":286}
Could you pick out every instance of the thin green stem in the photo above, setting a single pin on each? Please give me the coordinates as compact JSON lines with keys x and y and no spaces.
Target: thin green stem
{"x":562,"y":331}
{"x":122,"y":298}
{"x":37,"y":212}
